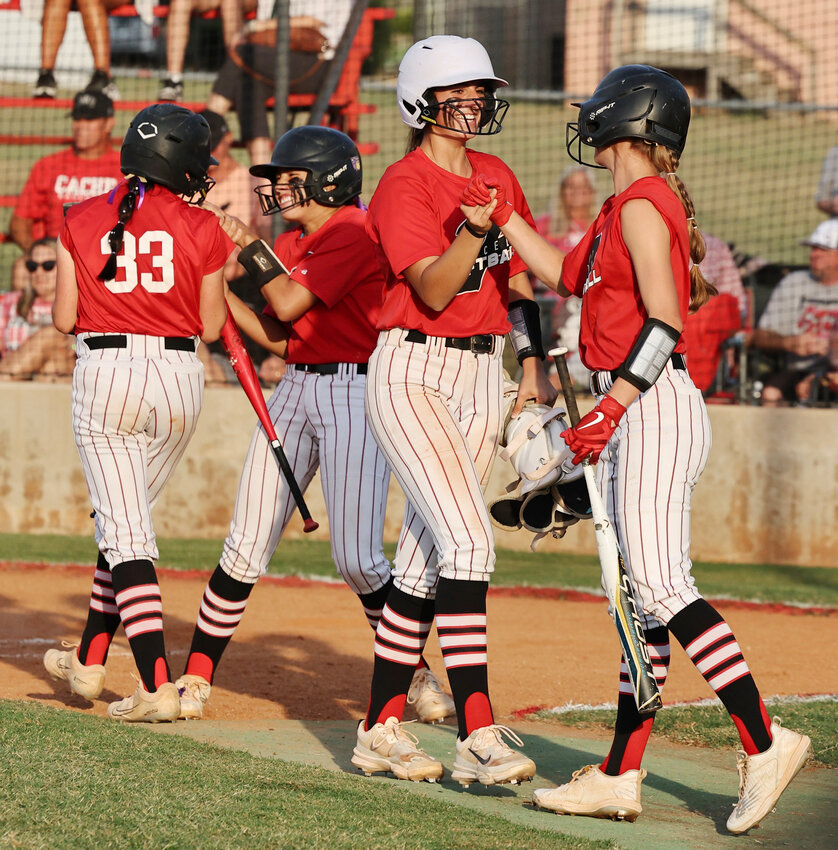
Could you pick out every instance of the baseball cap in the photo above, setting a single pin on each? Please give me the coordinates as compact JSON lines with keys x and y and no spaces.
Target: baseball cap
{"x":90,"y":104}
{"x":825,"y":235}
{"x":217,"y":124}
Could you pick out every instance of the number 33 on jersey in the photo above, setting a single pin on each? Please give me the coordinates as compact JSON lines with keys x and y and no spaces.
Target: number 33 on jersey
{"x":157,"y":285}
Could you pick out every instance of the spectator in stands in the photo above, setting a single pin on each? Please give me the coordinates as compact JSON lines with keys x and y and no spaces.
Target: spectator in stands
{"x":246,"y":80}
{"x":801,"y":317}
{"x":573,"y":207}
{"x":28,"y":341}
{"x":177,"y":36}
{"x":94,"y":15}
{"x":90,"y":167}
{"x":826,"y":196}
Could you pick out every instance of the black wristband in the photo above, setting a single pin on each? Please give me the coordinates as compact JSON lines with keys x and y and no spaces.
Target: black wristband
{"x":525,"y":335}
{"x":474,"y":232}
{"x":260,"y":263}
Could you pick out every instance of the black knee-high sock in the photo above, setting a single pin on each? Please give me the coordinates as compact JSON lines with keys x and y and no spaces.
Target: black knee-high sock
{"x":399,"y":640}
{"x":373,"y":604}
{"x":461,"y":625}
{"x":140,"y":606}
{"x":222,"y":608}
{"x":712,"y":647}
{"x":631,"y":731}
{"x":102,"y":617}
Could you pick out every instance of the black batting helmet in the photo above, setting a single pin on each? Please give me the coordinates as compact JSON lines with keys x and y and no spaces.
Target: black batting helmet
{"x":330,"y":158}
{"x":169,"y":145}
{"x":632,"y":102}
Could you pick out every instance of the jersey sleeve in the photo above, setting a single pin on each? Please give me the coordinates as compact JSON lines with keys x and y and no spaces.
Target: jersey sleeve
{"x":519,"y":202}
{"x":32,"y":201}
{"x":403,"y":219}
{"x":339,"y":261}
{"x":220,"y":246}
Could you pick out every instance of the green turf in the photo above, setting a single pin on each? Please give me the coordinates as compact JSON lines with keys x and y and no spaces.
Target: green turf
{"x":73,"y":781}
{"x":710,"y":725}
{"x":761,"y":582}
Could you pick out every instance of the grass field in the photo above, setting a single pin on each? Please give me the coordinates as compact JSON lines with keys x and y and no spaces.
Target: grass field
{"x":752,"y":582}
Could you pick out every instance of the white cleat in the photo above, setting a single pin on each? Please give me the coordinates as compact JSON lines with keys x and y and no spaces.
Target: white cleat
{"x":142,"y":707}
{"x":764,"y":777}
{"x":388,"y":747}
{"x":486,"y":758}
{"x":431,"y":703}
{"x":86,"y":680}
{"x":194,"y":691}
{"x":594,"y":794}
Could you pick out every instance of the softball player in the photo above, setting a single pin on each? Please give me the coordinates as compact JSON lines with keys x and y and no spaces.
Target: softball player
{"x":139,"y":281}
{"x":434,"y":404}
{"x":320,"y":317}
{"x":649,"y":430}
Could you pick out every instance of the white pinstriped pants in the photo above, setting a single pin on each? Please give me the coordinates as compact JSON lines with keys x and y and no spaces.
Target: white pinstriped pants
{"x":134,"y":411}
{"x":320,"y":422}
{"x":646,"y":476}
{"x":436,"y":413}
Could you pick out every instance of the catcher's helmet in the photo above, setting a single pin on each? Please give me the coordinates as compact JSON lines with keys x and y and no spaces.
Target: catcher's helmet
{"x":632,"y":102}
{"x":536,"y":450}
{"x":169,"y":145}
{"x":330,"y":158}
{"x":442,"y":61}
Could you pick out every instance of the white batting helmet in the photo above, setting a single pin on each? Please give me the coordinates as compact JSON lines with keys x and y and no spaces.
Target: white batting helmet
{"x":535,"y":448}
{"x":438,"y":62}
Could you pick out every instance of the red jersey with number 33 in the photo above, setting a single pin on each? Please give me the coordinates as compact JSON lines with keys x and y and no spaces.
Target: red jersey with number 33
{"x":415,"y":213}
{"x":600,"y":271}
{"x":337,"y":264}
{"x":168,"y":247}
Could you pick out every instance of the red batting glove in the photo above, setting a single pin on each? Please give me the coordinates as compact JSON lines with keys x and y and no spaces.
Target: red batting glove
{"x":592,"y":432}
{"x":476,"y":194}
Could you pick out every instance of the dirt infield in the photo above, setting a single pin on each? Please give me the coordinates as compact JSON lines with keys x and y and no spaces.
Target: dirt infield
{"x":303,"y":650}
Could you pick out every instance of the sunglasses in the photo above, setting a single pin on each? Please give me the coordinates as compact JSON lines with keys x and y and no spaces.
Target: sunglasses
{"x":47,"y":265}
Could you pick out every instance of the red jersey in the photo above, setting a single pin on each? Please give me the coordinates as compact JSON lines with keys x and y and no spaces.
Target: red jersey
{"x":64,"y":178}
{"x":599,"y":270}
{"x":168,"y":247}
{"x":336,"y":263}
{"x":415,"y":213}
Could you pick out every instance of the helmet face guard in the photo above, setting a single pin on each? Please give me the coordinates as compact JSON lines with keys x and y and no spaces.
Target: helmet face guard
{"x":631,"y":102}
{"x":269,"y":194}
{"x":492,"y":112}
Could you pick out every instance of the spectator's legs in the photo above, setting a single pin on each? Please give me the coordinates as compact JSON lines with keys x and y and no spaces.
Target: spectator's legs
{"x":260,"y":150}
{"x":94,"y":16}
{"x":218,"y":103}
{"x":52,"y":33}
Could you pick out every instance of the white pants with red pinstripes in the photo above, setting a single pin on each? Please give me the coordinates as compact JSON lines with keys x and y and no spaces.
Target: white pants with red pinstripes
{"x":134,"y":411}
{"x":646,"y":476}
{"x":436,"y":413}
{"x":320,"y":422}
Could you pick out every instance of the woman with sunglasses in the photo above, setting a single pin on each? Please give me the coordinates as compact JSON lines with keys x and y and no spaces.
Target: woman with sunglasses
{"x":434,"y":399}
{"x":24,"y":312}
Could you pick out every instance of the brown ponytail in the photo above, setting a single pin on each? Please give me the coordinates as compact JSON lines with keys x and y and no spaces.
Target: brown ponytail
{"x":666,"y":162}
{"x":136,"y":191}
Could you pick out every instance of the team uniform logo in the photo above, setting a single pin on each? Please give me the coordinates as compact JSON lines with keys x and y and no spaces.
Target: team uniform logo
{"x":591,"y":277}
{"x":495,"y":251}
{"x":147,"y":130}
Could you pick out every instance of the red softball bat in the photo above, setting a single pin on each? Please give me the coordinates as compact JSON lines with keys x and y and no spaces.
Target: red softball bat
{"x":246,"y":373}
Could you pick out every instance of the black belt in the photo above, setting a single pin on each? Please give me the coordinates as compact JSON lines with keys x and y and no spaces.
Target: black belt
{"x":173,"y":343}
{"x":329,"y":368}
{"x":479,"y":344}
{"x":603,"y":380}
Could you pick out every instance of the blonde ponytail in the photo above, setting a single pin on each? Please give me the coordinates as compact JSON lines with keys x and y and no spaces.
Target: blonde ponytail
{"x":666,"y":162}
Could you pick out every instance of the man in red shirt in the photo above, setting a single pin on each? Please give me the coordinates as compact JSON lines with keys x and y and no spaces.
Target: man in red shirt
{"x":89,"y":168}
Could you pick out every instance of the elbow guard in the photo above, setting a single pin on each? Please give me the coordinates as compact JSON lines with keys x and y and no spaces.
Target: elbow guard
{"x":650,"y":354}
{"x":525,"y":334}
{"x":260,"y":262}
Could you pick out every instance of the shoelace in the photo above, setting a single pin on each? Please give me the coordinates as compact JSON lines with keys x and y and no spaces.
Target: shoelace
{"x":497,"y":730}
{"x":395,"y":731}
{"x":419,"y":685}
{"x":581,"y":772}
{"x":742,"y":766}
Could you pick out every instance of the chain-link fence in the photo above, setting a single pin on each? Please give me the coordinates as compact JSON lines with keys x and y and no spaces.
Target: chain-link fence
{"x":763,"y":76}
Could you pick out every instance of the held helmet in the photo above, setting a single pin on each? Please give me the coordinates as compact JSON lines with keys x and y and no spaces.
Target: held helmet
{"x":534,"y":446}
{"x":330,"y":158}
{"x":169,"y":145}
{"x":442,"y":61}
{"x":632,"y":102}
